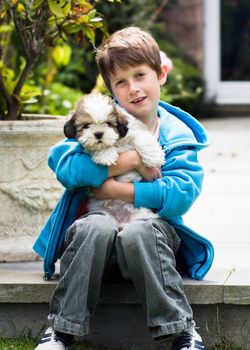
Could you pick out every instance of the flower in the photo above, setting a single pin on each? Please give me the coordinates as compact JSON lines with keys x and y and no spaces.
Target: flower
{"x":166,"y":61}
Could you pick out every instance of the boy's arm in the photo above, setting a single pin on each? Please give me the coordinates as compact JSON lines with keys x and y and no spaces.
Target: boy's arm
{"x":176,"y":191}
{"x":74,"y":168}
{"x":131,"y":160}
{"x":127,"y":161}
{"x":172,"y":195}
{"x":112,"y":189}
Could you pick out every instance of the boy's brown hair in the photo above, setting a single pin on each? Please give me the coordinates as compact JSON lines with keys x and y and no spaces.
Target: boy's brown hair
{"x":128,"y":47}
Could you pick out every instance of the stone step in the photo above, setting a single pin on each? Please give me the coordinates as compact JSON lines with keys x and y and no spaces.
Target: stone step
{"x":23,"y":283}
{"x":221,"y":305}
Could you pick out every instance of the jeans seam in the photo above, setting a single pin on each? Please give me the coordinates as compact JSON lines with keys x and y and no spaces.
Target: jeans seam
{"x":159,"y":257}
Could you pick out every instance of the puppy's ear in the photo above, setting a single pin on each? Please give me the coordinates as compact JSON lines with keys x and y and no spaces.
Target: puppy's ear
{"x":122,"y":121}
{"x":122,"y":129}
{"x":69,"y":128}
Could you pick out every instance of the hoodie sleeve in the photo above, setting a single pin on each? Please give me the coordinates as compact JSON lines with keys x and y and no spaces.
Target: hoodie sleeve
{"x":73,"y":167}
{"x":180,"y":185}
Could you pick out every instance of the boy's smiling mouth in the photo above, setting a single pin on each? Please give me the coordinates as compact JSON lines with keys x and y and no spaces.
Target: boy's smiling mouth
{"x":138,"y":100}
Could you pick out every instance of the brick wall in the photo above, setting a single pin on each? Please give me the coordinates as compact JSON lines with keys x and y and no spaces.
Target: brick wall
{"x":184,"y":23}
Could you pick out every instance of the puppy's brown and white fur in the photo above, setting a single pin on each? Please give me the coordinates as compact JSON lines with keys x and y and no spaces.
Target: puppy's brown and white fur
{"x":105,"y":130}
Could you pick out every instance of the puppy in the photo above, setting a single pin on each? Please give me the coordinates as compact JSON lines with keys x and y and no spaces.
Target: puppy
{"x":105,"y":130}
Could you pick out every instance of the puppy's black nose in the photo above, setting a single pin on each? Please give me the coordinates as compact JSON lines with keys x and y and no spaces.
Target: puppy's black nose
{"x":98,"y":135}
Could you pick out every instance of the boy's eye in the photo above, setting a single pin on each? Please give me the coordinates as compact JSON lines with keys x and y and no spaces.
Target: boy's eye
{"x":120,"y":82}
{"x":139,"y":75}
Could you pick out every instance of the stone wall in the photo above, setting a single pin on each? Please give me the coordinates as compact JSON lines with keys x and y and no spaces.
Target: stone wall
{"x":28,"y":188}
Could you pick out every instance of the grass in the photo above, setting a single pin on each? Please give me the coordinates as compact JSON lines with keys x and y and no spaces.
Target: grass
{"x":17,"y":344}
{"x":29,"y":344}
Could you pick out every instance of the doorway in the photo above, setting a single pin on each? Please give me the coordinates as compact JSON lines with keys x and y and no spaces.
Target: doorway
{"x":227,"y":51}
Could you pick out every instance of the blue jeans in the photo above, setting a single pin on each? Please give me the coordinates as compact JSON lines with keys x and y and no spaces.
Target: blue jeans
{"x":145,"y":252}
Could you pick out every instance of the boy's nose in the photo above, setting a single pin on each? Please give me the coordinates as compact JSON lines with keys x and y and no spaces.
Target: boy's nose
{"x":133,"y":87}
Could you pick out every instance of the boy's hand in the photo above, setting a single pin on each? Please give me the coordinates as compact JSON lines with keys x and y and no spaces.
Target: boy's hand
{"x":149,"y":174}
{"x":112,"y":189}
{"x":127,"y":161}
{"x":130,"y":160}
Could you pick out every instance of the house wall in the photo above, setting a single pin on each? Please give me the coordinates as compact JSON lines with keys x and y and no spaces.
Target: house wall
{"x":185,"y":23}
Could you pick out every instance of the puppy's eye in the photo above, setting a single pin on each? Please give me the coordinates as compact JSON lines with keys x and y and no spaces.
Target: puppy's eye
{"x":109,"y":124}
{"x":86,"y":126}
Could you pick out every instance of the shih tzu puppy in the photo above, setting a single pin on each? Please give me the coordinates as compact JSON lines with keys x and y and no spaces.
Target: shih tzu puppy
{"x":105,"y":130}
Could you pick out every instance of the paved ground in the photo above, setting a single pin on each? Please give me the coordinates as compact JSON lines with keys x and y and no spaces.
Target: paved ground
{"x":222,"y":212}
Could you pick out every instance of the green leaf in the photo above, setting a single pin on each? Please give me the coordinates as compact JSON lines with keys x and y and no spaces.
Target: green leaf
{"x":90,"y":34}
{"x":61,"y":55}
{"x":56,"y":9}
{"x":5,"y":28}
{"x":36,"y":4}
{"x":8,"y":77}
{"x":72,"y":28}
{"x":92,"y":14}
{"x":97,"y":24}
{"x":31,"y":101}
{"x":66,"y":8}
{"x":28,"y":92}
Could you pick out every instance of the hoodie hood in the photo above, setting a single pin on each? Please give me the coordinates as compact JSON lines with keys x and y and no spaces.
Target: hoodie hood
{"x":179,"y":128}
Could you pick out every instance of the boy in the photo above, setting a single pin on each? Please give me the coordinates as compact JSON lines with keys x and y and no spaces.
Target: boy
{"x":145,"y":250}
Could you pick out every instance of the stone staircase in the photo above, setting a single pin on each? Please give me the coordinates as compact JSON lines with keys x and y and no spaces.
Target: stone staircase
{"x":221,"y":305}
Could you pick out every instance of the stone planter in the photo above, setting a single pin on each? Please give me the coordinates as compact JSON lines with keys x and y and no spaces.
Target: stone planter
{"x":28,"y":188}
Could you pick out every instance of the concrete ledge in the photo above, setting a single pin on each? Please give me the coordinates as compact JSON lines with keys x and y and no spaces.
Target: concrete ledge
{"x":23,"y":283}
{"x":16,"y":249}
{"x":221,"y":305}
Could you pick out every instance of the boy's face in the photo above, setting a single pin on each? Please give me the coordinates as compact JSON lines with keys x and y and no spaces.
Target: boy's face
{"x":137,"y":89}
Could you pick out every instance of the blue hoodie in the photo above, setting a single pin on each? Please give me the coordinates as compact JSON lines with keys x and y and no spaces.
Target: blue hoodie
{"x":181,"y":137}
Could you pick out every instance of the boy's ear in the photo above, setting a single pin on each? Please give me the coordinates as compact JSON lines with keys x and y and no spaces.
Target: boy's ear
{"x":163,"y":74}
{"x":70,"y":129}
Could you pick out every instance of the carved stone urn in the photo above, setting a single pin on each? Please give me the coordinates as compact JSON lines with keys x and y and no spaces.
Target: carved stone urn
{"x":28,"y":188}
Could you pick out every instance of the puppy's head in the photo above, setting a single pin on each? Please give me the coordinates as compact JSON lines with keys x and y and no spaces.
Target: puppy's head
{"x":96,"y":122}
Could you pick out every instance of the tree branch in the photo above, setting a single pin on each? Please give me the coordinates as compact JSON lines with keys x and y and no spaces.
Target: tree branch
{"x":5,"y":92}
{"x":23,"y":77}
{"x":31,"y":36}
{"x":159,"y":9}
{"x":21,"y":30}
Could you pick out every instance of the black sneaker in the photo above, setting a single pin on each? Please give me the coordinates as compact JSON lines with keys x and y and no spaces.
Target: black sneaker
{"x":189,"y":341}
{"x":54,"y":340}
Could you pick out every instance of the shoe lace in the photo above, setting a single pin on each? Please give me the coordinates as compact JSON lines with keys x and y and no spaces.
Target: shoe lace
{"x":183,"y":342}
{"x":66,"y":339}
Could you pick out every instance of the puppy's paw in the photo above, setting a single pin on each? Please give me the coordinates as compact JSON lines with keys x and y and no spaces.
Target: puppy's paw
{"x":107,"y":157}
{"x":149,"y":150}
{"x":153,"y":158}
